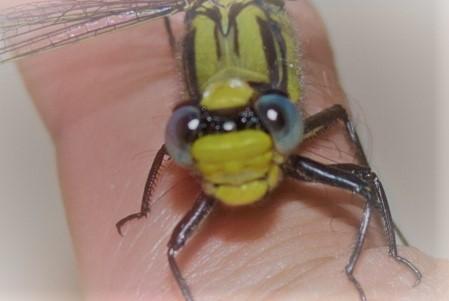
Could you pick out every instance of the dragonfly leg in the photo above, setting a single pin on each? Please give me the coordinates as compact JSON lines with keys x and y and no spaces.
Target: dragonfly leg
{"x":349,"y":269}
{"x":372,"y":179}
{"x":324,"y":119}
{"x":148,"y":191}
{"x":305,"y":169}
{"x":182,"y":232}
{"x":171,"y":36}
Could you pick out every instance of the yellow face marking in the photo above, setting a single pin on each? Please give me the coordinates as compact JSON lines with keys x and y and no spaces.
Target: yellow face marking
{"x":243,"y":194}
{"x":241,"y":145}
{"x":257,"y":161}
{"x":232,"y":93}
{"x":274,"y":176}
{"x":246,"y":193}
{"x":238,"y":168}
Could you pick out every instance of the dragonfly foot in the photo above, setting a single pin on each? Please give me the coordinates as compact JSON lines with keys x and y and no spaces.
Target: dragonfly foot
{"x":130,"y":217}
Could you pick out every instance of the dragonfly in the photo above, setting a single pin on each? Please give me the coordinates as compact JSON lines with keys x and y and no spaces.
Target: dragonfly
{"x":240,"y":128}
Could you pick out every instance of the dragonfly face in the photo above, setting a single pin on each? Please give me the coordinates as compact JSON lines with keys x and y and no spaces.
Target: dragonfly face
{"x":235,"y":139}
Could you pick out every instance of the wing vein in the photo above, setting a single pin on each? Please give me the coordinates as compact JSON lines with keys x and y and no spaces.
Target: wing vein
{"x":40,"y":26}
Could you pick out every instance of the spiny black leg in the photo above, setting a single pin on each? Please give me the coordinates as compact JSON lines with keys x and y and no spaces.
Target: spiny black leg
{"x":183,"y":231}
{"x":148,"y":191}
{"x":308,"y":170}
{"x":349,"y":269}
{"x":324,"y":119}
{"x":373,"y":180}
{"x":171,"y":36}
{"x":393,"y":249}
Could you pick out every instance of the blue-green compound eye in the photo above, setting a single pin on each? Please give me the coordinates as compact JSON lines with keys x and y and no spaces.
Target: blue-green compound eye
{"x":181,"y":130}
{"x":282,"y":119}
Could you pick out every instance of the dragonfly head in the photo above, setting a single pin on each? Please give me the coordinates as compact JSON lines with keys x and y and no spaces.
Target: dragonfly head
{"x":236,"y":139}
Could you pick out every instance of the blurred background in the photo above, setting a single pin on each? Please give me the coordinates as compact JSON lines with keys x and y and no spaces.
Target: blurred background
{"x":394,"y":64}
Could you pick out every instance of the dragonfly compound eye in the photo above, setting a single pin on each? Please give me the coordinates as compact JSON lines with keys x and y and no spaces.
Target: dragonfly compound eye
{"x":181,"y":130}
{"x":282,"y":119}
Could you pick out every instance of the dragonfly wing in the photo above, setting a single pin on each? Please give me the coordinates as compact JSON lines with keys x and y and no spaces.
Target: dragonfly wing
{"x":35,"y":27}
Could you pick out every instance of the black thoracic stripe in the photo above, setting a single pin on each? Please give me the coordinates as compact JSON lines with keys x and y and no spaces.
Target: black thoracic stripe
{"x":270,"y":51}
{"x":233,"y":13}
{"x":189,"y":66}
{"x":236,"y":41}
{"x":283,"y":84}
{"x":215,"y":16}
{"x":217,"y":42}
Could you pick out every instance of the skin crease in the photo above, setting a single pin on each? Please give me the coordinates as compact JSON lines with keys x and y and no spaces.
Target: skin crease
{"x":106,"y":101}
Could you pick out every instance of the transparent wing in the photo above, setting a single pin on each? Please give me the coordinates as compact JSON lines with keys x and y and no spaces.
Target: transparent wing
{"x":34,"y":27}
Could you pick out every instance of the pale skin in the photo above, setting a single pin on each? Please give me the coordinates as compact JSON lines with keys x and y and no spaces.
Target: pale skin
{"x":105,"y":103}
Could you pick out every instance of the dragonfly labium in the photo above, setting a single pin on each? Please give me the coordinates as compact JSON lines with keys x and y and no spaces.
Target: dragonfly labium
{"x":242,"y":123}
